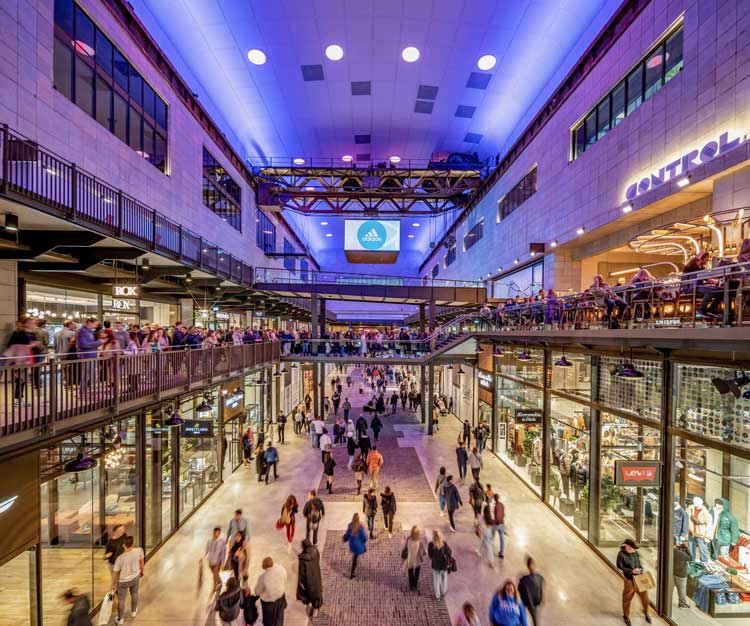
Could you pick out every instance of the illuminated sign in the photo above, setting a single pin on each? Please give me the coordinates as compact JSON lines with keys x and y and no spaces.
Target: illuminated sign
{"x":234,"y":400}
{"x":125,"y":291}
{"x":198,"y":428}
{"x":122,"y":305}
{"x":222,"y":316}
{"x":529,"y":416}
{"x":485,"y":380}
{"x":682,"y":165}
{"x":637,"y":473}
{"x":372,"y":241}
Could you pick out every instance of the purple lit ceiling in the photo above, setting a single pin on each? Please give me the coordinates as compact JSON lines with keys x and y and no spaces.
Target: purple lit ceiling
{"x":439,"y":104}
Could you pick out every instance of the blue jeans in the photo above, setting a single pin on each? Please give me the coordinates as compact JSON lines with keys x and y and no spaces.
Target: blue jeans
{"x":500,"y":530}
{"x":314,"y":438}
{"x":371,"y":523}
{"x":702,"y":545}
{"x":441,"y":499}
{"x":461,"y":470}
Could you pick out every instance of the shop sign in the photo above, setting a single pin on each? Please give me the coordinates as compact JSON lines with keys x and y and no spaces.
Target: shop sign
{"x":222,"y":316}
{"x":198,"y":428}
{"x":232,"y":401}
{"x":485,"y":380}
{"x":637,"y":473}
{"x":122,"y":305}
{"x":682,"y":165}
{"x":529,"y":416}
{"x":125,"y":291}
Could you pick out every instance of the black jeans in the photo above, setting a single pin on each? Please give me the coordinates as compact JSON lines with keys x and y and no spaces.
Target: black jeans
{"x":281,"y":432}
{"x":461,"y":469}
{"x":413,"y":577}
{"x":354,"y":564}
{"x":450,"y":518}
{"x":273,"y":612}
{"x":314,"y":529}
{"x":388,"y":521}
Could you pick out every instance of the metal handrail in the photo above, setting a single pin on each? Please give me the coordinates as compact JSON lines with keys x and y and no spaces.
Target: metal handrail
{"x":66,"y":190}
{"x":41,"y":394}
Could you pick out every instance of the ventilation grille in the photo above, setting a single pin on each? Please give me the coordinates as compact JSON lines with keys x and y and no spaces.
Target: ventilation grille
{"x":362,"y":139}
{"x":465,"y":111}
{"x":478,"y":80}
{"x":423,"y":106}
{"x":312,"y":72}
{"x":473,"y":137}
{"x":361,"y":88}
{"x":427,"y":92}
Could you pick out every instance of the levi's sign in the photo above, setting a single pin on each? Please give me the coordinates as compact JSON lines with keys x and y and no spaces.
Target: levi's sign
{"x":637,"y":473}
{"x":682,"y":165}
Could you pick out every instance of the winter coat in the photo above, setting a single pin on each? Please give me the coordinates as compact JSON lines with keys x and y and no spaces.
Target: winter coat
{"x":369,"y":505}
{"x":388,"y":503}
{"x":452,"y":497}
{"x":364,"y":444}
{"x":379,"y":406}
{"x":351,"y":446}
{"x":228,"y":604}
{"x":415,"y":553}
{"x":376,"y":425}
{"x":439,"y":557}
{"x":530,"y":589}
{"x":356,"y":540}
{"x":309,"y":580}
{"x":727,"y":530}
{"x":506,"y":611}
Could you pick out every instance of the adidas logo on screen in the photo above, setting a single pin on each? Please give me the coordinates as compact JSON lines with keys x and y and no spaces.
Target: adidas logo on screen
{"x":372,"y":235}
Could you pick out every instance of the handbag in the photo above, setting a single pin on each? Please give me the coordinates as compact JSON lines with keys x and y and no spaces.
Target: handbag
{"x":105,"y":611}
{"x":644,"y":581}
{"x":404,"y":553}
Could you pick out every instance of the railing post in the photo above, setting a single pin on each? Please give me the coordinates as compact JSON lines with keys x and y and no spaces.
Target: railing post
{"x":120,"y":228}
{"x":117,"y":384}
{"x":189,"y":368}
{"x":159,"y":371}
{"x":73,"y":190}
{"x":153,"y":229}
{"x":6,"y":158}
{"x":179,"y":243}
{"x":53,"y":387}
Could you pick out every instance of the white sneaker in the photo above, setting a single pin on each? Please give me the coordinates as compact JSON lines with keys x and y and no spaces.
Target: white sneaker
{"x":390,"y":536}
{"x":442,"y":513}
{"x":453,"y":530}
{"x":118,"y":621}
{"x":133,"y":613}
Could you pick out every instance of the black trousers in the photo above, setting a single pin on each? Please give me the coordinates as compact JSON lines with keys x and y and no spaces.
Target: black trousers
{"x":413,"y":577}
{"x":354,"y":566}
{"x":533,"y":612}
{"x":273,"y":612}
{"x":281,"y":432}
{"x":312,"y":528}
{"x":450,"y":518}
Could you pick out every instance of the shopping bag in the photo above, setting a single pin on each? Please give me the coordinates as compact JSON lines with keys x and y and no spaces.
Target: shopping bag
{"x":644,"y":581}
{"x":200,"y":574}
{"x":105,"y":611}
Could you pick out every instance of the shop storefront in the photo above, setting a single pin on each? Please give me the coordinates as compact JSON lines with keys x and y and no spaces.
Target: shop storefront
{"x":587,"y":430}
{"x":233,"y":425}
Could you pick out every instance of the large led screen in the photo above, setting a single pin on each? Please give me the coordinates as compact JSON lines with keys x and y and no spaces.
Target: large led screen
{"x":372,"y":241}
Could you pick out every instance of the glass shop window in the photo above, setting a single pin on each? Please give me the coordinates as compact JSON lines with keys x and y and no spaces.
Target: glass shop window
{"x":571,"y":373}
{"x":633,"y":385}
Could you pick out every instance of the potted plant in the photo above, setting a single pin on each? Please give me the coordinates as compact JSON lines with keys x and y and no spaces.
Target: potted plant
{"x":581,"y":516}
{"x":610,"y":496}
{"x":554,"y":485}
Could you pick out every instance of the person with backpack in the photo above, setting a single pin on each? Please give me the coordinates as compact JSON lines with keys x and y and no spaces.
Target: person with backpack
{"x":359,"y":471}
{"x":388,"y":506}
{"x":370,"y":508}
{"x":351,"y":448}
{"x":328,"y":465}
{"x":506,"y":609}
{"x":356,"y":536}
{"x":314,"y":511}
{"x":309,"y":579}
{"x":229,"y":603}
{"x":287,"y":519}
{"x":441,"y":560}
{"x":530,"y":589}
{"x":376,"y":426}
{"x":413,"y":553}
{"x":452,"y":500}
{"x":440,"y":490}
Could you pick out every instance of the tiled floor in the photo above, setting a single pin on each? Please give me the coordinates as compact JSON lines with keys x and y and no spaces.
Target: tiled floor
{"x":581,"y":589}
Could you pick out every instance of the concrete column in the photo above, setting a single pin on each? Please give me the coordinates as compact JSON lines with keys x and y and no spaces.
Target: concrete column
{"x":430,"y":393}
{"x":11,"y":306}
{"x":314,"y":313}
{"x":322,"y":320}
{"x":432,"y":312}
{"x":421,"y":318}
{"x":185,"y":312}
{"x":423,"y":387}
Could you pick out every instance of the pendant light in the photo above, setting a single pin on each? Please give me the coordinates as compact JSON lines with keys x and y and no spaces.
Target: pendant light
{"x":460,"y":370}
{"x":478,"y":349}
{"x":81,"y":462}
{"x":563,"y":361}
{"x":524,"y":355}
{"x":499,"y":351}
{"x":627,"y":370}
{"x":175,"y":416}
{"x":450,"y":366}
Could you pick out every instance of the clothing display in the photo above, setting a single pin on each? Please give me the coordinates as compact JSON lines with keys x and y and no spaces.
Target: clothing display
{"x":699,"y":528}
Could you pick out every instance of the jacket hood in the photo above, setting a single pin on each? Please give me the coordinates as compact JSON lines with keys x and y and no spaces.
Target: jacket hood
{"x":726,"y":504}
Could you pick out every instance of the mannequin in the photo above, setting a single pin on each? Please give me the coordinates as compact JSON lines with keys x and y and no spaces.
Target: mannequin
{"x":699,"y":527}
{"x":536,"y":450}
{"x":566,"y":463}
{"x":679,"y":523}
{"x":726,"y":530}
{"x":580,"y":478}
{"x":554,"y":445}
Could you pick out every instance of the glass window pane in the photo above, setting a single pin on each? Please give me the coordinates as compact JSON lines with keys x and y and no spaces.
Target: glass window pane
{"x":16,"y":591}
{"x":160,"y":113}
{"x":148,"y":100}
{"x":134,"y":129}
{"x":120,"y":118}
{"x":654,"y":67}
{"x":160,"y":153}
{"x":122,"y":70}
{"x":635,"y":89}
{"x":640,"y":396}
{"x":103,"y":102}
{"x":84,"y":86}
{"x":64,"y":16}
{"x":159,"y":480}
{"x":199,"y":462}
{"x":135,"y":88}
{"x":580,"y":142}
{"x":674,"y":55}
{"x":618,"y":104}
{"x":63,"y":68}
{"x":591,"y":129}
{"x":602,"y":113}
{"x":148,"y":141}
{"x":103,"y":52}
{"x":84,"y":37}
{"x":574,"y":379}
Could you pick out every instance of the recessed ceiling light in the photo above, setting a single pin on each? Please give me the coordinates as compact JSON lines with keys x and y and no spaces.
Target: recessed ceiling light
{"x":395,"y":159}
{"x":553,"y":243}
{"x":486,"y":62}
{"x":415,"y":224}
{"x":581,"y":230}
{"x":335,"y":52}
{"x":329,"y":234}
{"x":299,"y":161}
{"x":347,"y":158}
{"x":256,"y":57}
{"x":410,"y":54}
{"x":324,"y":223}
{"x":410,"y":236}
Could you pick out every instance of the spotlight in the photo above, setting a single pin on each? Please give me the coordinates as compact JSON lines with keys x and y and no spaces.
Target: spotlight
{"x":684,"y":181}
{"x":145,"y":266}
{"x":628,"y":371}
{"x":553,"y":243}
{"x":188,"y":278}
{"x":524,"y":355}
{"x":203,"y":410}
{"x":499,"y":351}
{"x":450,"y":366}
{"x":11,"y":222}
{"x":581,"y":230}
{"x":478,"y":349}
{"x":175,"y":417}
{"x":460,"y":370}
{"x":80,"y":464}
{"x":563,"y":362}
{"x":731,"y":385}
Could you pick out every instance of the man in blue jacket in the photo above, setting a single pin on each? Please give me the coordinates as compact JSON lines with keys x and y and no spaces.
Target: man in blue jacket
{"x":462,"y":458}
{"x":271,"y":457}
{"x":87,"y":345}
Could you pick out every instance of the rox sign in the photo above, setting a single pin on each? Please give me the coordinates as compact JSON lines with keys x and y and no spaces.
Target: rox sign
{"x":681,"y":166}
{"x":637,"y":473}
{"x":125,"y":291}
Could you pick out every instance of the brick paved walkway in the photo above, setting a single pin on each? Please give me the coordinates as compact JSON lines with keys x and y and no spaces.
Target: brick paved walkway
{"x":378,"y":596}
{"x":402,"y":470}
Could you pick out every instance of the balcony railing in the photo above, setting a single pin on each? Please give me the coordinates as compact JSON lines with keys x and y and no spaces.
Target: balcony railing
{"x":41,"y":395}
{"x":64,"y":190}
{"x":273,"y":275}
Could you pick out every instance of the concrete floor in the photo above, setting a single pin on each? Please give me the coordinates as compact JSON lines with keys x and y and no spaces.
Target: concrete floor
{"x":580,"y":588}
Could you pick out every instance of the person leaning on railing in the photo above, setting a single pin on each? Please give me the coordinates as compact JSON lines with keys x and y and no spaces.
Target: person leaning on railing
{"x":714,"y":296}
{"x":18,"y":357}
{"x":604,"y":296}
